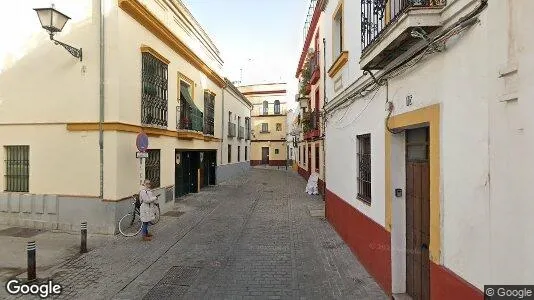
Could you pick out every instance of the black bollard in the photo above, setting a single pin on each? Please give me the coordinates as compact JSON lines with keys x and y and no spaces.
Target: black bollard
{"x":83,"y":245}
{"x":31,"y":248}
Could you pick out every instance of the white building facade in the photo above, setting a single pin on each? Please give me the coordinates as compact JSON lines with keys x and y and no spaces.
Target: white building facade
{"x":69,"y":139}
{"x":426,"y":151}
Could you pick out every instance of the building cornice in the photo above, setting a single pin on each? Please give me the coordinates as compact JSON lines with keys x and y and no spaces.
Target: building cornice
{"x":150,"y":131}
{"x":148,"y":20}
{"x":231,"y":87}
{"x":265,"y":92}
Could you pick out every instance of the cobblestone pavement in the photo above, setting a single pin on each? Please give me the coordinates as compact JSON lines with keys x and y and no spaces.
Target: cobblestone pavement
{"x":250,"y":238}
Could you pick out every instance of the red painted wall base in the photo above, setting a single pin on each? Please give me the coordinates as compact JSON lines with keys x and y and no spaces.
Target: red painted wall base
{"x":369,"y":241}
{"x":445,"y":284}
{"x":371,"y":244}
{"x":271,"y":163}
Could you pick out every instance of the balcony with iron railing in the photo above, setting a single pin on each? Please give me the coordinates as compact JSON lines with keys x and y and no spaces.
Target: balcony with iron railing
{"x":390,"y":27}
{"x":315,"y":71}
{"x":189,"y":118}
{"x":310,"y":124}
{"x":231,"y":129}
{"x":241,"y":133}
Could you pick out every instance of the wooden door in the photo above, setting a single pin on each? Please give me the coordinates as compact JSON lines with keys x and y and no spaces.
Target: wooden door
{"x":417,"y":214}
{"x":265,"y":155}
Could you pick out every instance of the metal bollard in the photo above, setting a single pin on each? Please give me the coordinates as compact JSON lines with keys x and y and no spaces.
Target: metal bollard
{"x":83,"y":245}
{"x":31,"y":248}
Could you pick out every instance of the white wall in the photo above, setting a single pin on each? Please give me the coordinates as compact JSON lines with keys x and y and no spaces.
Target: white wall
{"x":239,"y":109}
{"x":485,"y":145}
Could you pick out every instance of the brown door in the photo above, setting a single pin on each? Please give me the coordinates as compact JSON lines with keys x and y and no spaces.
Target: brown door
{"x":264,"y":155}
{"x":417,"y":214}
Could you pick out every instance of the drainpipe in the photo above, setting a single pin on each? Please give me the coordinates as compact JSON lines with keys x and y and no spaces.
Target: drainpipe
{"x":101,"y":113}
{"x":324,"y":118}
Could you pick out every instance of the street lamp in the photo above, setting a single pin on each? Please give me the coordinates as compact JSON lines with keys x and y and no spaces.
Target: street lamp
{"x":54,"y":21}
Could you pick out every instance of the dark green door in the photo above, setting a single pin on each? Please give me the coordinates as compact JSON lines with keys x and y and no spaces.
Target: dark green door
{"x":179,"y":174}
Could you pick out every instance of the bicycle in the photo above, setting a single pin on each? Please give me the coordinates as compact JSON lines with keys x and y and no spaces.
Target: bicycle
{"x":130,"y":224}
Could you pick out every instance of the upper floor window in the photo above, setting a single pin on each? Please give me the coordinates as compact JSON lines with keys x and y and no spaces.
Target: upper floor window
{"x":209,"y":112}
{"x":154,"y":98}
{"x":264,"y":127}
{"x":190,"y":116}
{"x":338,"y":31}
{"x":277,"y":107}
{"x":265,"y":107}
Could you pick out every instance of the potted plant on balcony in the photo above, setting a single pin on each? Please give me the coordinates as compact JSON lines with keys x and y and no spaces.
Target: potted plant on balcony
{"x":306,"y":122}
{"x":184,"y":123}
{"x":305,"y":87}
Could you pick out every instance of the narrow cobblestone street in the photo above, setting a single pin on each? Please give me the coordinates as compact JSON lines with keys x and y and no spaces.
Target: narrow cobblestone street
{"x":253,"y":237}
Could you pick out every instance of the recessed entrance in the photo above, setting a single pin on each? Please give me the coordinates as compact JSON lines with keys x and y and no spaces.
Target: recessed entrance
{"x":194,"y":170}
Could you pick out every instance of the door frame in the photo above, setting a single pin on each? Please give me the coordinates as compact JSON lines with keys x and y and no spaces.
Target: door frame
{"x":395,"y":177}
{"x":265,"y":161}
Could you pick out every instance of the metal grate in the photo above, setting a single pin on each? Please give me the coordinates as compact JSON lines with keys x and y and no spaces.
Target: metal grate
{"x":20,"y":232}
{"x":209,"y":113}
{"x":17,"y":164}
{"x":174,"y":284}
{"x":152,"y":167}
{"x":154,"y":104}
{"x":364,"y":168}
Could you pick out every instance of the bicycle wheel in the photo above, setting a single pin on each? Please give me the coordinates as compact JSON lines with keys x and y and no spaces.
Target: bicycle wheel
{"x":157,"y":214}
{"x":130,"y":224}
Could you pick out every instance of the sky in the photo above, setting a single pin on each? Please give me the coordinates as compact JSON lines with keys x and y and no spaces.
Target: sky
{"x":262,"y":37}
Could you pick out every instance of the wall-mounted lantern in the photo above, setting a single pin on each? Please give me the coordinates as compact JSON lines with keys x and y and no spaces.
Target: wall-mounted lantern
{"x":54,"y":21}
{"x":303,"y":101}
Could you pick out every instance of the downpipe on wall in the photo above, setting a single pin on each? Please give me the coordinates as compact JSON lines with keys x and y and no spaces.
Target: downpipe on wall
{"x":324,"y":119}
{"x":101,"y":99}
{"x":222,"y":124}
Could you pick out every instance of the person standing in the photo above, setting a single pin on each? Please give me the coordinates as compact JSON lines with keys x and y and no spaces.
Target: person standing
{"x":146,"y":211}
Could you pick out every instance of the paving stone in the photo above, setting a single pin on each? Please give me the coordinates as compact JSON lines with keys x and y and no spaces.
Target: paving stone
{"x":251,"y":237}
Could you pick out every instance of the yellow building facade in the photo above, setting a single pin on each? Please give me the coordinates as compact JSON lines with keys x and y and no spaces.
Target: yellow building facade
{"x":268,"y":123}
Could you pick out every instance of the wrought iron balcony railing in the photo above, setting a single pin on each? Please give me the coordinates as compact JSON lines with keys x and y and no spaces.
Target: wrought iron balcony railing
{"x":231,"y":129}
{"x":189,"y":118}
{"x":241,"y":133}
{"x":377,"y":15}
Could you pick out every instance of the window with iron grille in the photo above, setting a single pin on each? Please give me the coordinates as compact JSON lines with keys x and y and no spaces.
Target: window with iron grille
{"x":276,"y":151}
{"x":364,"y":168}
{"x":154,"y":101}
{"x":264,"y":127}
{"x":17,"y":174}
{"x":152,"y":167}
{"x":209,"y":112}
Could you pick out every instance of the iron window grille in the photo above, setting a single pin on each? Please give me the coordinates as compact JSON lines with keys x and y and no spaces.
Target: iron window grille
{"x":209,"y":113}
{"x":154,"y":97}
{"x":364,"y":168}
{"x":152,"y":167}
{"x":247,"y":129}
{"x":17,"y":162}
